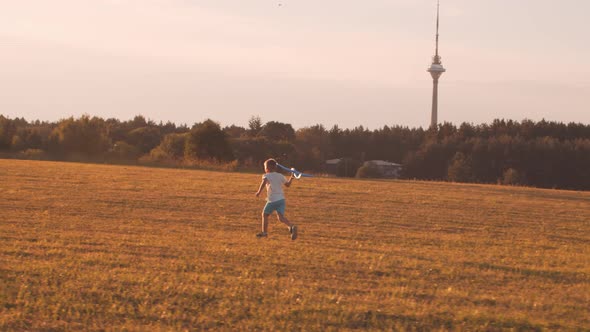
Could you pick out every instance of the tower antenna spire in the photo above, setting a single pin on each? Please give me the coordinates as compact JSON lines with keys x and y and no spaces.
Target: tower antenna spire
{"x":437,"y":20}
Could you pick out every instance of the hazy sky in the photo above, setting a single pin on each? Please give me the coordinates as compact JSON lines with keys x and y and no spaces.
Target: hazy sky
{"x":345,"y":62}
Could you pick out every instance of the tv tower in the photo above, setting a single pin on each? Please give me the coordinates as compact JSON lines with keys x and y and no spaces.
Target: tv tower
{"x":436,"y":69}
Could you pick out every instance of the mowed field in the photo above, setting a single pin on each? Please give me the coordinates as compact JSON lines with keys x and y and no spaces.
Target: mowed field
{"x":99,"y":247}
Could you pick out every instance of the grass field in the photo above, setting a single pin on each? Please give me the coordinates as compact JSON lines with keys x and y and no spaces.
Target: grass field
{"x":96,"y":247}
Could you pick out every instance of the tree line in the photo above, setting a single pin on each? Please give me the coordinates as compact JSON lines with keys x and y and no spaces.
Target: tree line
{"x":542,"y":154}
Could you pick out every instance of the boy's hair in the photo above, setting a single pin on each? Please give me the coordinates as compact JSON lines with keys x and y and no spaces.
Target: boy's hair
{"x":270,"y":163}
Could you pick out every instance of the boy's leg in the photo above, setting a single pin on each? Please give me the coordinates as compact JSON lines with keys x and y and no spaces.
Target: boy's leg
{"x":281,"y":214}
{"x":292,"y":227}
{"x":265,"y":222}
{"x":266,"y":211}
{"x":264,"y":226}
{"x":284,"y":219}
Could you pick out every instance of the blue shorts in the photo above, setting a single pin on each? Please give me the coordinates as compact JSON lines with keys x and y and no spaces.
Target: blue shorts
{"x":278,"y":206}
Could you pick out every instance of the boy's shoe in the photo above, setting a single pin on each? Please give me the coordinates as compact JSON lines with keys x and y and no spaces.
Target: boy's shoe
{"x":261,"y":234}
{"x":293,"y":231}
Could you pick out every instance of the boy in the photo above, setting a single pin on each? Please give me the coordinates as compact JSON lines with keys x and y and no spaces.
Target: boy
{"x":275,"y":198}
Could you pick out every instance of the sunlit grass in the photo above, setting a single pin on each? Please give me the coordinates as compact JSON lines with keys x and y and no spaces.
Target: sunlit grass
{"x":97,"y":247}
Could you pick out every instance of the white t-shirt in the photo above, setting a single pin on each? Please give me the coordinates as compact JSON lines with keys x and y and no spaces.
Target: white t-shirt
{"x":274,"y":186}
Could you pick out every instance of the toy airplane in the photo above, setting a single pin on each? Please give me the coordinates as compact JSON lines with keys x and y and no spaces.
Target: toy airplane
{"x":296,"y":173}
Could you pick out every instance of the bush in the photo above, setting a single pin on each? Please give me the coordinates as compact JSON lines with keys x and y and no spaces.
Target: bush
{"x":173,"y":145}
{"x":368,"y":170}
{"x":211,"y":165}
{"x":123,"y":151}
{"x":33,"y":154}
{"x":512,"y":177}
{"x":157,"y":155}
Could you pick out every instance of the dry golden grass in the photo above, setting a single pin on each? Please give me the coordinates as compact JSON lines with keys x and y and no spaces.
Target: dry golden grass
{"x":94,"y":247}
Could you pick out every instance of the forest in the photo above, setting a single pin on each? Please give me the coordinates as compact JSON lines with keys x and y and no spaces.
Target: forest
{"x":527,"y":153}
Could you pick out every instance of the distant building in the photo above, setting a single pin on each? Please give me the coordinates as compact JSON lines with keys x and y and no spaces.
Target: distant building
{"x":344,"y":167}
{"x":387,"y":169}
{"x":332,"y":166}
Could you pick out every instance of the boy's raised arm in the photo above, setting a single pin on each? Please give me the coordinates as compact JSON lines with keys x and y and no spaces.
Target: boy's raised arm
{"x":288,"y":183}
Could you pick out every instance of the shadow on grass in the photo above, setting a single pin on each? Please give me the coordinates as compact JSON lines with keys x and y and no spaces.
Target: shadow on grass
{"x":555,"y":276}
{"x":372,"y":320}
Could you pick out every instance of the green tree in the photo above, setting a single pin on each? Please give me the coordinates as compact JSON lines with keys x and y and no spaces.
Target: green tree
{"x":460,"y":169}
{"x":27,"y":138}
{"x":84,"y":136}
{"x":144,"y":138}
{"x":254,"y":126}
{"x":278,"y":131}
{"x":234,"y":131}
{"x":208,"y":141}
{"x":311,"y":146}
{"x":7,"y":131}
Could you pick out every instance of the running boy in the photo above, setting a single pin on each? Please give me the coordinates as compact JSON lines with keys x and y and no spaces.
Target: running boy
{"x":275,"y":198}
